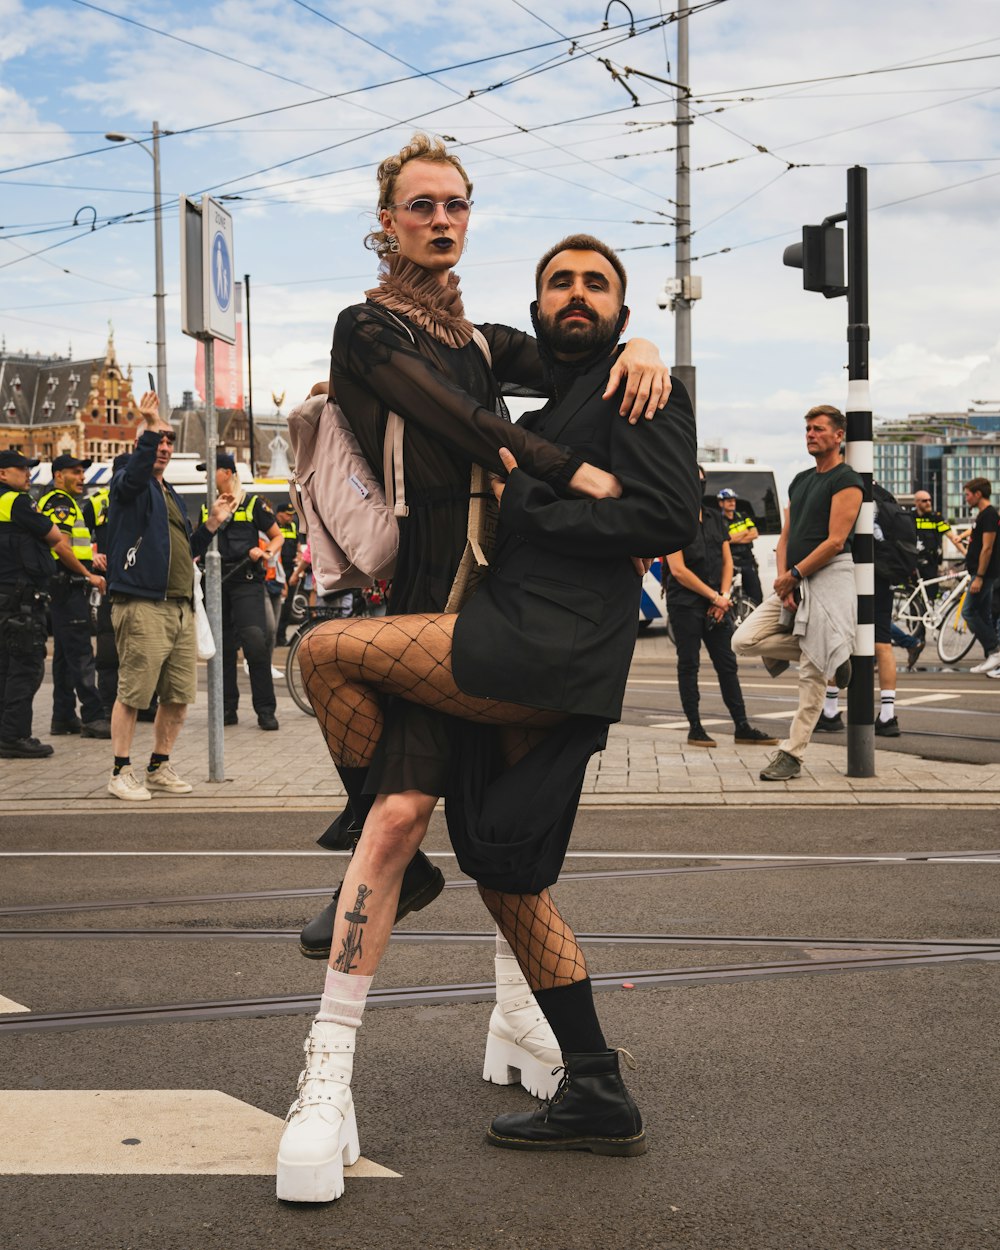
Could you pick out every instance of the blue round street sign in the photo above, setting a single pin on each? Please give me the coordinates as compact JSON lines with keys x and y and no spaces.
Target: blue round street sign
{"x":222,"y":272}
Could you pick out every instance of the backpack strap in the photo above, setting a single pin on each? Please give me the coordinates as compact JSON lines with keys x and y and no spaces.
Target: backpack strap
{"x":392,"y":445}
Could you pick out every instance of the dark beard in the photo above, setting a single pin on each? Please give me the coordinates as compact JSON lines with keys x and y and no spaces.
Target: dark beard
{"x":579,"y":340}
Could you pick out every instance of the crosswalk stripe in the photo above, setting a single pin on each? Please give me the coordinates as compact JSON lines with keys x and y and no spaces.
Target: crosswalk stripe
{"x":141,"y":1132}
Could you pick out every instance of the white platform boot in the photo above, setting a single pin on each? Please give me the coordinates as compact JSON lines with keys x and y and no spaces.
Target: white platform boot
{"x":321,"y":1133}
{"x":520,"y":1045}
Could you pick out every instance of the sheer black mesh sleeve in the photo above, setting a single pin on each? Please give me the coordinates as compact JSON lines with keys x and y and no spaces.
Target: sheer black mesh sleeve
{"x":370,"y":355}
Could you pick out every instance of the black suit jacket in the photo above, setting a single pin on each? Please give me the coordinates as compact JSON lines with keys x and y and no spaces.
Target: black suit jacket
{"x":555,"y":622}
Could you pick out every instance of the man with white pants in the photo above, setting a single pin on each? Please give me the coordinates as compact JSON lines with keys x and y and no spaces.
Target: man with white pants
{"x":811,"y":616}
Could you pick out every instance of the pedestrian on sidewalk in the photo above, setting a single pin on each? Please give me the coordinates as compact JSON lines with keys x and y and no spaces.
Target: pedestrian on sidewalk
{"x":27,"y":540}
{"x":700,"y":611}
{"x":982,"y":560}
{"x":896,"y":554}
{"x":244,"y":599}
{"x":74,"y":676}
{"x":151,"y":575}
{"x":811,"y":616}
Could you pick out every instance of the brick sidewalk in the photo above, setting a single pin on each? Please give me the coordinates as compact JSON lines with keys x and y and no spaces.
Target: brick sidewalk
{"x":641,"y":767}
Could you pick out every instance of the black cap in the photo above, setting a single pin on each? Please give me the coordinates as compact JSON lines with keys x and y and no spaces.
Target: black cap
{"x":223,"y":460}
{"x":70,"y":462}
{"x":14,"y":460}
{"x":284,"y":505}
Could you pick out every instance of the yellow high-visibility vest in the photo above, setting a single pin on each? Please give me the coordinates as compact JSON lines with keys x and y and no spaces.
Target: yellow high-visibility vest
{"x":81,"y":541}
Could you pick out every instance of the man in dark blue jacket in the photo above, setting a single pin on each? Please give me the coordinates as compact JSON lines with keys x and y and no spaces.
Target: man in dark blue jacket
{"x":151,"y":582}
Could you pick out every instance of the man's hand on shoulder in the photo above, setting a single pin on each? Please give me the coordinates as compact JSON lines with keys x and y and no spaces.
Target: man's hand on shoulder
{"x":647,"y":380}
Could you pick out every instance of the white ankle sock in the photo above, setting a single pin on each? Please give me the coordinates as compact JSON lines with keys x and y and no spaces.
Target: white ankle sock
{"x":887,"y":710}
{"x":830,"y":703}
{"x":343,"y":998}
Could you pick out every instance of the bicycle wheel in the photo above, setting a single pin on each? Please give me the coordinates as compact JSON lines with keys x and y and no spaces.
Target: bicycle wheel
{"x":293,"y":675}
{"x":955,"y":638}
{"x":743,"y":608}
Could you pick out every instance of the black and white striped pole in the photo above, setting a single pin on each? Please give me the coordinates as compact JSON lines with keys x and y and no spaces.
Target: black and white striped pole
{"x":820,"y":256}
{"x":861,"y":692}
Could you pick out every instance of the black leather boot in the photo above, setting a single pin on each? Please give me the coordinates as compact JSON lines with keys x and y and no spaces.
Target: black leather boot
{"x":422,"y":883}
{"x":591,"y":1110}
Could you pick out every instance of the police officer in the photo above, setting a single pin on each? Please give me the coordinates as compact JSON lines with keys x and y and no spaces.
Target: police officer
{"x":73,"y":673}
{"x":931,"y":529}
{"x":25,"y":570}
{"x":285,"y":515}
{"x":742,"y":532}
{"x":244,"y":620}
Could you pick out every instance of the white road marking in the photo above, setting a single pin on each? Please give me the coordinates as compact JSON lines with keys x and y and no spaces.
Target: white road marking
{"x":9,"y":1007}
{"x":926,"y":698}
{"x":147,"y":1132}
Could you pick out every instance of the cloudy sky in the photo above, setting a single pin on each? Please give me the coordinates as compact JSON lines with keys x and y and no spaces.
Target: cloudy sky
{"x":290,"y":105}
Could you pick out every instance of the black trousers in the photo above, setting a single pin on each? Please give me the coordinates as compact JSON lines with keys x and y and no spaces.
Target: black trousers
{"x":73,"y":673}
{"x":106,"y":657}
{"x":690,"y":626}
{"x":244,"y":626}
{"x":22,"y":667}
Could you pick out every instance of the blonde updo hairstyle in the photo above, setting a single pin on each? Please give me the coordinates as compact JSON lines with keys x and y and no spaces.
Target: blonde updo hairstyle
{"x":420,"y":148}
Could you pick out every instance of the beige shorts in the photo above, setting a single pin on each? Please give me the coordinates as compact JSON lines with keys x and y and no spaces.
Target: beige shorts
{"x":157,"y":650}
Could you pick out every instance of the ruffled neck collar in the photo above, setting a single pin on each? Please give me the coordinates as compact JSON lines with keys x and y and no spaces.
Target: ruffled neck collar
{"x":415,"y":293}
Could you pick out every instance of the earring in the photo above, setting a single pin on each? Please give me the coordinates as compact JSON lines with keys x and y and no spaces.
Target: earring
{"x":465,"y":245}
{"x":393,"y":243}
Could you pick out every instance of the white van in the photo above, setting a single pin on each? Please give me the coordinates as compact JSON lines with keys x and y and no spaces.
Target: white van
{"x":756,"y":494}
{"x":182,"y":476}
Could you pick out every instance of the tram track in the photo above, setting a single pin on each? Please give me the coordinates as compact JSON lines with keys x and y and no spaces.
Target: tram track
{"x":297,"y":1004}
{"x":189,"y":900}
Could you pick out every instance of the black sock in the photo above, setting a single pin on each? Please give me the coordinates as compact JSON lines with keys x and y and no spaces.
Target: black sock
{"x":155,"y":760}
{"x":572,"y":1017}
{"x":121,"y":761}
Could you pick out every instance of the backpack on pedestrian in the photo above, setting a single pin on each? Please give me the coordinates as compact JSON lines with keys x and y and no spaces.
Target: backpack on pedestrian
{"x":896,"y":553}
{"x":350,"y":519}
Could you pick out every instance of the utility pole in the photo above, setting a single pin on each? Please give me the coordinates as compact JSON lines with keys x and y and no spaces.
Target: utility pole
{"x":685,"y":295}
{"x":246,"y":322}
{"x":159,"y":295}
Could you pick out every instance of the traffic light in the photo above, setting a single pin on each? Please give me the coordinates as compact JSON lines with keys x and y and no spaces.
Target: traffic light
{"x":820,"y":256}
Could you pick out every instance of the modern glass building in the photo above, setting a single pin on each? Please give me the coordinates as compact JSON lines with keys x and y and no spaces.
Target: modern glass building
{"x":938,"y":452}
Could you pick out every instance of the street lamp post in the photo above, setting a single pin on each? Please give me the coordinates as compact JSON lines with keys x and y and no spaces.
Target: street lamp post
{"x":115,"y":136}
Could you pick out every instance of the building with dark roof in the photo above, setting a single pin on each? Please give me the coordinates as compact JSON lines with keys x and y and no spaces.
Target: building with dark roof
{"x":53,"y":404}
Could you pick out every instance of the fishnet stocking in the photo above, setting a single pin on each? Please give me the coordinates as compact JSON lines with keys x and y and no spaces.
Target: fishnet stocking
{"x":543,"y":942}
{"x":346,"y":665}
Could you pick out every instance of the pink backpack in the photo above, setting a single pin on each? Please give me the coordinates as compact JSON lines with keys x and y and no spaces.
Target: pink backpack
{"x":351,"y":524}
{"x":350,"y":519}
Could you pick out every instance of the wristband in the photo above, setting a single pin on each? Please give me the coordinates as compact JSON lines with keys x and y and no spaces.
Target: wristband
{"x":794,"y":570}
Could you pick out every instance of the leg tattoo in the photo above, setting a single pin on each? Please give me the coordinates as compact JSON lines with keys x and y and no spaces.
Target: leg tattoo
{"x":351,"y":951}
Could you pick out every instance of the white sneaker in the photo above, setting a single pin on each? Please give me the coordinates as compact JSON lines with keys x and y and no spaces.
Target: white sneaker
{"x":128,"y":786}
{"x":991,"y":661}
{"x":520,"y":1046}
{"x":995,"y":673}
{"x":277,"y":672}
{"x":321,"y":1132}
{"x":166,"y":780}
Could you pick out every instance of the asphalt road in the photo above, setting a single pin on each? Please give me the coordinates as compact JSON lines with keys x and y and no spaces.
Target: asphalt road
{"x":815,"y":1037}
